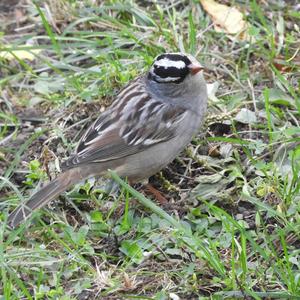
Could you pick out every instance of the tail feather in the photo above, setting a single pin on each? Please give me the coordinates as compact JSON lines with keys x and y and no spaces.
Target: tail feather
{"x":45,"y":195}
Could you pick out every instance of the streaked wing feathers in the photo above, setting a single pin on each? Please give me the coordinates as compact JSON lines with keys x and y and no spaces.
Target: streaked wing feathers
{"x":133,"y":123}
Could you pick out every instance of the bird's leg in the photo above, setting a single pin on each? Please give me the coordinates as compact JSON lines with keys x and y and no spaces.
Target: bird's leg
{"x":112,"y":187}
{"x":156,"y":193}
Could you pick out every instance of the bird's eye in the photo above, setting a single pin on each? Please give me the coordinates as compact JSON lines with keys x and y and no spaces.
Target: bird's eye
{"x":171,"y":72}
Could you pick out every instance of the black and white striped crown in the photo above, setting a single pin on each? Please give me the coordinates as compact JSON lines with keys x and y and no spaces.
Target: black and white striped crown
{"x":170,"y":68}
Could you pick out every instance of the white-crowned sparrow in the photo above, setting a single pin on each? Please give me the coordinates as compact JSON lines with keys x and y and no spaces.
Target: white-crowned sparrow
{"x":152,"y":119}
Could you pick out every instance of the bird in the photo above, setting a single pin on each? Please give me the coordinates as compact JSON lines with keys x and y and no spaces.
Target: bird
{"x":149,"y":123}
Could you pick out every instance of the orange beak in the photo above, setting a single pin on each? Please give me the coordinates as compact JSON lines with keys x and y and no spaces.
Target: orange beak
{"x":195,"y":68}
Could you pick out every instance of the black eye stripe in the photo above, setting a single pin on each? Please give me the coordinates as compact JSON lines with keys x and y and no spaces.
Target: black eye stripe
{"x":158,"y":79}
{"x":170,"y":72}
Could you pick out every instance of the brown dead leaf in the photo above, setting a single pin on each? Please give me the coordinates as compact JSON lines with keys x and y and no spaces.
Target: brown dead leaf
{"x":19,"y":16}
{"x":227,"y":19}
{"x":214,"y":151}
{"x":286,"y":65}
{"x":281,"y":65}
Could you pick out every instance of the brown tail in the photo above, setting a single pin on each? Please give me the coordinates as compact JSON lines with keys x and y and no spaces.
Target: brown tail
{"x":45,"y":195}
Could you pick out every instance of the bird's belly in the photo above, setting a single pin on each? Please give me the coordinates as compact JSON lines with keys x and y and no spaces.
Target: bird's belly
{"x":145,"y":164}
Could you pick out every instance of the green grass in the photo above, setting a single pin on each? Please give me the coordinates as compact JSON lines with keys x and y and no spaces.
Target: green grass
{"x":231,"y":230}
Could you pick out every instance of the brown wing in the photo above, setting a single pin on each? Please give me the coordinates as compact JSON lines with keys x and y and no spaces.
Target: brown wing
{"x":135,"y":122}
